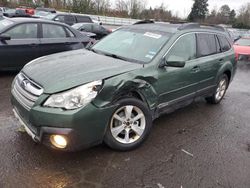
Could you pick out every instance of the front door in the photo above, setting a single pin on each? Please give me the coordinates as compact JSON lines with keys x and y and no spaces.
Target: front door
{"x":177,"y":84}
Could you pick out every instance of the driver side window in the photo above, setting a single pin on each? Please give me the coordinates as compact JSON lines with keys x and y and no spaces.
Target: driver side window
{"x":184,"y":49}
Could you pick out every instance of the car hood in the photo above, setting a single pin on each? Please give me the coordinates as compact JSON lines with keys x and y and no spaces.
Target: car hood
{"x":242,"y":49}
{"x":66,"y":70}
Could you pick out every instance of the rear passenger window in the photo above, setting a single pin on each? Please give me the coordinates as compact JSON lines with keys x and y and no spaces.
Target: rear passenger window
{"x":206,"y":44}
{"x":184,"y":49}
{"x":96,"y":28}
{"x":225,"y":45}
{"x":217,"y":45}
{"x":69,"y":19}
{"x":83,"y":19}
{"x":87,"y":27}
{"x":53,"y":31}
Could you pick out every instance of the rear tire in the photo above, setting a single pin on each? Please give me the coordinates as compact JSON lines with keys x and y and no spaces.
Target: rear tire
{"x":129,"y":125}
{"x":220,"y":91}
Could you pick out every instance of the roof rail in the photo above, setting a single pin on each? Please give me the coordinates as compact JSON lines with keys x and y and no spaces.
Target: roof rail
{"x":197,"y":25}
{"x":213,"y":26}
{"x":177,"y":22}
{"x":189,"y":26}
{"x":144,"y":22}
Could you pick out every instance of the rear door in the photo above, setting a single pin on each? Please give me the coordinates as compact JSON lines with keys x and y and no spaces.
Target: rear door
{"x":208,"y":61}
{"x":22,"y":48}
{"x":57,"y":38}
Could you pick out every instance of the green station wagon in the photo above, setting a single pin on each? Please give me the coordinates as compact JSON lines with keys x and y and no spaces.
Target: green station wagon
{"x":113,"y":91}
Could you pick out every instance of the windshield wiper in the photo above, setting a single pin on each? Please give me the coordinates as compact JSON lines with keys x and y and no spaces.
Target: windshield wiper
{"x":116,"y":56}
{"x":107,"y":54}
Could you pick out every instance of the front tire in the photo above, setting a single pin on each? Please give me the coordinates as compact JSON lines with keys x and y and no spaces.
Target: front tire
{"x":220,"y":92}
{"x":129,"y":125}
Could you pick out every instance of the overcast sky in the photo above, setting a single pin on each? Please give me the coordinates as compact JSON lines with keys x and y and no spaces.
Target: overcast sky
{"x":183,"y":7}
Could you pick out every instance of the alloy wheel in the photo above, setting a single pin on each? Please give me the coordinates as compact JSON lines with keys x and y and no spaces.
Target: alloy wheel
{"x":128,"y":124}
{"x":221,"y":89}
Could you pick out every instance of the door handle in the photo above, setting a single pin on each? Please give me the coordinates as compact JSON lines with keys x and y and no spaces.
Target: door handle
{"x":195,"y":69}
{"x":220,"y":60}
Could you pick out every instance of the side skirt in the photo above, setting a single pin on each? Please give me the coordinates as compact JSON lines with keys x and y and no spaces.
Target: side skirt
{"x":171,"y":106}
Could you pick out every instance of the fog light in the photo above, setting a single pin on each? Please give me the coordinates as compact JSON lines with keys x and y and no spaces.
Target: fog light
{"x":58,"y":141}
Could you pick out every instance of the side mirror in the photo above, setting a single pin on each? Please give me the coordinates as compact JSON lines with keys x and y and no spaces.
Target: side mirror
{"x":176,"y":63}
{"x":4,"y":37}
{"x":173,"y":61}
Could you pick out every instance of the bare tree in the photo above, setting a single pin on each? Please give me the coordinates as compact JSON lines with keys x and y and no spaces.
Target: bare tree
{"x":244,"y":14}
{"x":102,"y":6}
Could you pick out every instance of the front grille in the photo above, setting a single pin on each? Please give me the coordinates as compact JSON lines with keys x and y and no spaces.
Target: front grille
{"x":25,"y":91}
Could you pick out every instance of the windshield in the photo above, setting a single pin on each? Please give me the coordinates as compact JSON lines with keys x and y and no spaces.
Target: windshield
{"x":50,"y":16}
{"x":243,"y":42}
{"x":134,"y":45}
{"x":11,"y":11}
{"x":77,"y":26}
{"x":42,"y":13}
{"x":5,"y":23}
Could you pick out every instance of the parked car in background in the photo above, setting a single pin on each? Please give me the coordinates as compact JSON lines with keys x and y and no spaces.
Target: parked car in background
{"x":3,"y":9}
{"x":43,"y":12}
{"x":238,"y":33}
{"x":69,"y":18}
{"x":28,"y":10}
{"x":95,"y":28}
{"x":50,"y":10}
{"x":242,"y":49}
{"x":24,"y":39}
{"x":11,"y":13}
{"x":114,"y":91}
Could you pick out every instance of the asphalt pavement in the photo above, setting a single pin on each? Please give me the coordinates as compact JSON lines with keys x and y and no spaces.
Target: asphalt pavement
{"x":199,"y":146}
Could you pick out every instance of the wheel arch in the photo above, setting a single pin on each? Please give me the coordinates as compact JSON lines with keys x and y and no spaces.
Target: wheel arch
{"x":227,"y":69}
{"x":229,"y":74}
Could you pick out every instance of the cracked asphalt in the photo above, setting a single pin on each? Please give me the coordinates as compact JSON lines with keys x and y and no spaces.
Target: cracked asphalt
{"x":203,"y":146}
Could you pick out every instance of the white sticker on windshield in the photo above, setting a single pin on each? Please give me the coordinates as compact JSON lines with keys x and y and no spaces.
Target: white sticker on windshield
{"x":152,"y":35}
{"x":149,"y":56}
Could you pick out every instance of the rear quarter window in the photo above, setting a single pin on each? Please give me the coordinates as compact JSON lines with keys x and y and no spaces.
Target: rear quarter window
{"x":224,"y":43}
{"x":206,"y":44}
{"x":69,"y":32}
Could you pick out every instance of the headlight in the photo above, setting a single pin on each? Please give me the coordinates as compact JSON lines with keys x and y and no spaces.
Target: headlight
{"x":74,"y":98}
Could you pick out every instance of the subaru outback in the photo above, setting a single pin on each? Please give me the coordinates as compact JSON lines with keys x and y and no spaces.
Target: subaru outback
{"x":113,"y":91}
